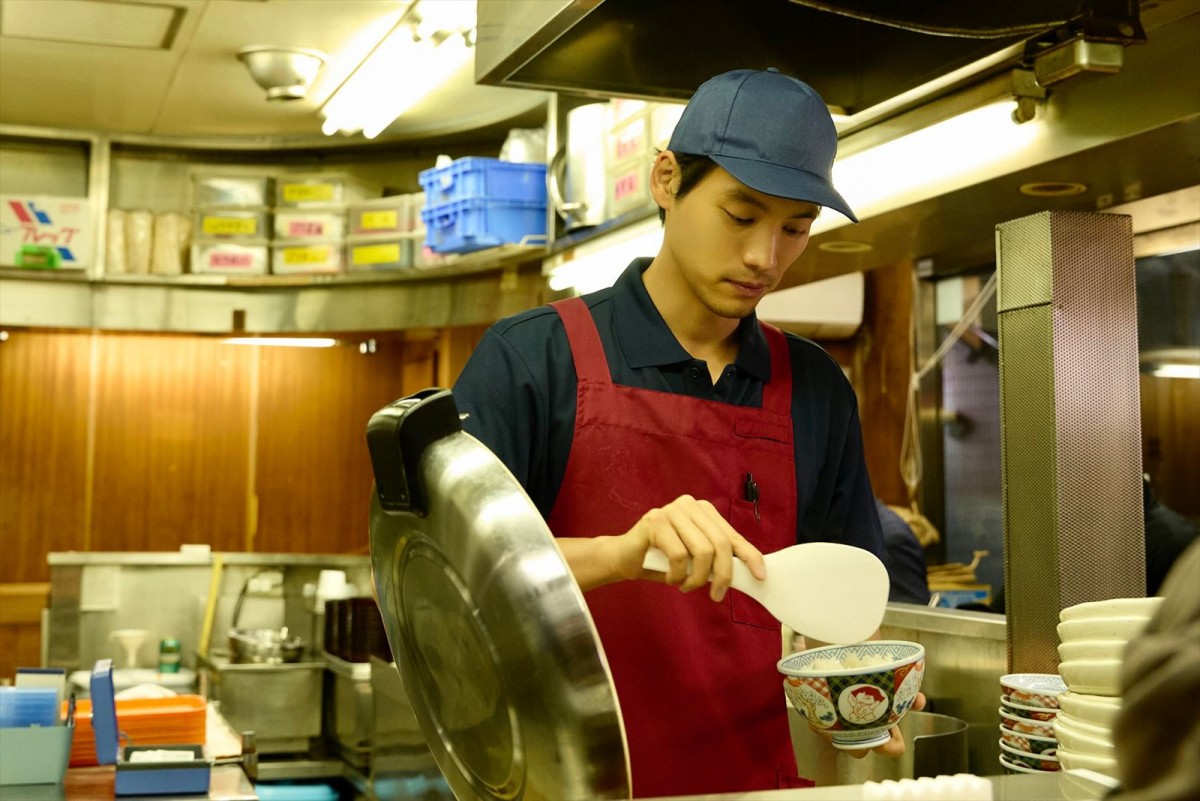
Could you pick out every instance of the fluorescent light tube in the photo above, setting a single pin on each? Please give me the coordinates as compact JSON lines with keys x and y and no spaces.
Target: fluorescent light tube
{"x":1177,"y":371}
{"x":284,"y":342}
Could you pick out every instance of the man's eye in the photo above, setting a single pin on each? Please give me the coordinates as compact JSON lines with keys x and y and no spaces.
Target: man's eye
{"x":738,"y":220}
{"x":796,"y":233}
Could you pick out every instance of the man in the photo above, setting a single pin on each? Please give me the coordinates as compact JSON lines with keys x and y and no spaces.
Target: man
{"x":905,"y":558}
{"x":660,"y":413}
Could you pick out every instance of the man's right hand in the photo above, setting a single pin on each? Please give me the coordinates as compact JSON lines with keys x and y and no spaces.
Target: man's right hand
{"x":698,"y":542}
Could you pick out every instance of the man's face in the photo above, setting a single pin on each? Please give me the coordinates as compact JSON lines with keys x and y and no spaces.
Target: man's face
{"x":731,"y":244}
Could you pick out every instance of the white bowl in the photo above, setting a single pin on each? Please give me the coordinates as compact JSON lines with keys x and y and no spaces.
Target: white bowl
{"x":1091,"y":649}
{"x":1073,"y":760}
{"x":1029,"y":743}
{"x":1101,"y":628}
{"x":1093,"y":676}
{"x":1091,"y":710}
{"x":1115,"y":607}
{"x":1075,"y":724}
{"x":1075,"y":740}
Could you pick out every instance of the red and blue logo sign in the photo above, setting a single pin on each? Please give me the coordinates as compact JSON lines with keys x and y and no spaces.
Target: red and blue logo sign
{"x":28,"y":214}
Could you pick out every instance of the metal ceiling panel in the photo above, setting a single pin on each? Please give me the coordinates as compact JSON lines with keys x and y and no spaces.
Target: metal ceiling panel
{"x":94,"y":22}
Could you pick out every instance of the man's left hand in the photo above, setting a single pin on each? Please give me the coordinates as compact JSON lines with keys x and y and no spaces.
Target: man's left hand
{"x":894,"y":747}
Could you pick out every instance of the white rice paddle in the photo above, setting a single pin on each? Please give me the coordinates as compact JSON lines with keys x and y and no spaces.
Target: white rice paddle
{"x":823,"y":590}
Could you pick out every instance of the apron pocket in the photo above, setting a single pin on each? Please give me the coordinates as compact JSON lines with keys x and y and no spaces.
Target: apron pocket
{"x":742,"y":608}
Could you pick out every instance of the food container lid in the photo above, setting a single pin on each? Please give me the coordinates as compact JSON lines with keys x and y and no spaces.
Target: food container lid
{"x":104,"y":712}
{"x":524,"y":717}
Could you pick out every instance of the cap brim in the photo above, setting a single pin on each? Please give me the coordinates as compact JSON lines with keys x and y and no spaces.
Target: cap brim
{"x":773,"y":179}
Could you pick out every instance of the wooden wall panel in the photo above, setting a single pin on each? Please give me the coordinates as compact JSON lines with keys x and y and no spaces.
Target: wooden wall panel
{"x":172,"y":442}
{"x":1170,"y":431}
{"x":454,"y":348}
{"x":44,"y":379}
{"x":313,"y":477}
{"x":883,"y":358}
{"x":21,"y":608}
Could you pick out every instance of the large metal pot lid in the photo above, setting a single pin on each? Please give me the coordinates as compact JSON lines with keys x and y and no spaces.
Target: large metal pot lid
{"x":492,"y":637}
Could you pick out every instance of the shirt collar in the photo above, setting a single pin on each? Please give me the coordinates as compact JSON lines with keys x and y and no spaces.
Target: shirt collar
{"x":646,"y":341}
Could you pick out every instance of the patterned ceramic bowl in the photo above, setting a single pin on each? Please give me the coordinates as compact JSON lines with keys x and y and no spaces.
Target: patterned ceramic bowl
{"x":1033,"y":689}
{"x":855,"y":692}
{"x":1029,"y":712}
{"x":1016,"y":767}
{"x":1042,"y":728}
{"x":1026,"y":759}
{"x":1030,"y":743}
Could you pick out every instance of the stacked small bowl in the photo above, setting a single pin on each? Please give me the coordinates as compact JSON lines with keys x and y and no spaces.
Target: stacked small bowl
{"x":1029,"y":704}
{"x":1092,"y":640}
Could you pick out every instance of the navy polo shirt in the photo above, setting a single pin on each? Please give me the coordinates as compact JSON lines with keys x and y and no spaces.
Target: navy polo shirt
{"x":518,"y":390}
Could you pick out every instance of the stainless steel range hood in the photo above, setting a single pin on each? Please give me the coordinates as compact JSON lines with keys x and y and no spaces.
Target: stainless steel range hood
{"x":1127,"y":135}
{"x":858,"y":55}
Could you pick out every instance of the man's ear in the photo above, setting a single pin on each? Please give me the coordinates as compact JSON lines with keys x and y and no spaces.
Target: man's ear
{"x":664,"y":179}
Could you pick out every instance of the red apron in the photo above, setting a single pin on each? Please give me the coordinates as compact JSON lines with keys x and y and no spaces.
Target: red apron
{"x":703,"y":705}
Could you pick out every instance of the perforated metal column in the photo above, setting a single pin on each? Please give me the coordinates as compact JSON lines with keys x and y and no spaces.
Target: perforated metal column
{"x":1070,"y":423}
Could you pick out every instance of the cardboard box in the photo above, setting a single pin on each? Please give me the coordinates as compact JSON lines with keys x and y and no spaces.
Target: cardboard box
{"x":44,"y":232}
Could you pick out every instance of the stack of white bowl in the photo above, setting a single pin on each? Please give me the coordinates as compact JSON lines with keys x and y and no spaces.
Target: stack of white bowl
{"x":1092,"y":640}
{"x":1028,"y":709}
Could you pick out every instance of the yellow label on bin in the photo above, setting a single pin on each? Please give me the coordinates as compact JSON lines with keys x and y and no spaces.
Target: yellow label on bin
{"x":380,"y":219}
{"x":375,"y":254}
{"x":305,"y":193}
{"x":231,"y":226}
{"x":318,"y":254}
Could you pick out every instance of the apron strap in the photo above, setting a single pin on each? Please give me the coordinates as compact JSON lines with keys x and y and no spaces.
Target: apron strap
{"x":777,"y":393}
{"x":591,"y":364}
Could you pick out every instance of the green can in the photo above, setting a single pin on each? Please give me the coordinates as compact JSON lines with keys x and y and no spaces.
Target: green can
{"x":169,"y":655}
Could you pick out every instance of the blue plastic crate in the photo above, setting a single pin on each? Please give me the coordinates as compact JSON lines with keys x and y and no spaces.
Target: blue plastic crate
{"x":491,"y":179}
{"x":464,"y":226}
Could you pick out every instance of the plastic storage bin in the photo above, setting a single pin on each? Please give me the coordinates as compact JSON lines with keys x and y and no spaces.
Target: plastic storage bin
{"x":302,"y":190}
{"x":230,"y":258}
{"x":468,"y":225}
{"x":233,"y":223}
{"x":34,"y":755}
{"x":388,"y":253}
{"x":387,"y":215}
{"x":231,"y":190}
{"x":493,"y":179}
{"x":189,"y":773}
{"x":310,"y":224}
{"x":306,"y":257}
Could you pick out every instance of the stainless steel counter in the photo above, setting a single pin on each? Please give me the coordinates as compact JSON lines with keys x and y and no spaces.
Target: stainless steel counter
{"x":1067,"y":785}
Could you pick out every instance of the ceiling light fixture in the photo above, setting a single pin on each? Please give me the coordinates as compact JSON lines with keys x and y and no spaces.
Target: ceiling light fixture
{"x":285,"y":72}
{"x":424,"y":49}
{"x":1052,"y":188}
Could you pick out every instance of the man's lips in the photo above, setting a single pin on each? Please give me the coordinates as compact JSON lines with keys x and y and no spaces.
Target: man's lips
{"x":748,"y":288}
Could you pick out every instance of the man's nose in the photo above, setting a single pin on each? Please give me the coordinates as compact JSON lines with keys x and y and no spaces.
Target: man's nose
{"x":762,"y":248}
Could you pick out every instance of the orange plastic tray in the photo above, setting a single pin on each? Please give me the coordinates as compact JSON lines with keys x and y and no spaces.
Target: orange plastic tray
{"x":145,"y":721}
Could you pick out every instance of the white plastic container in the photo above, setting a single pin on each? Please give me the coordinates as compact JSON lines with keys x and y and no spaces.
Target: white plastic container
{"x":230,"y":258}
{"x":311,"y":224}
{"x":300,"y":257}
{"x":244,"y":224}
{"x":387,"y":215}
{"x":231,"y":190}
{"x":380,"y":253}
{"x":306,"y":190}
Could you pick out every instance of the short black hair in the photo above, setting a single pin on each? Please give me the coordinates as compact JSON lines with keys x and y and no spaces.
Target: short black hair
{"x":692,"y":170}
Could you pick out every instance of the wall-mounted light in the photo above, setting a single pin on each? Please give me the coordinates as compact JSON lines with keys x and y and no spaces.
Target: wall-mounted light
{"x":424,"y":49}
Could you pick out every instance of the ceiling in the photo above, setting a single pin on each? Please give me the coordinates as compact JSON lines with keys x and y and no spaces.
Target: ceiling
{"x":169,"y":68}
{"x":103,"y":65}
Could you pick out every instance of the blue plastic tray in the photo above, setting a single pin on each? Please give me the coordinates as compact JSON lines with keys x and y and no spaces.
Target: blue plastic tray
{"x":482,"y":178}
{"x":467,"y":225}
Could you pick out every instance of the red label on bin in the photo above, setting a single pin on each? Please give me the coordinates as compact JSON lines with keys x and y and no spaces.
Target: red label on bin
{"x":625,"y":185}
{"x":306,"y":228}
{"x":230,"y":260}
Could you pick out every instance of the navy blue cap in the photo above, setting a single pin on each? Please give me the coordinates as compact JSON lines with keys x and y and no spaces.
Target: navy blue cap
{"x":768,"y":130}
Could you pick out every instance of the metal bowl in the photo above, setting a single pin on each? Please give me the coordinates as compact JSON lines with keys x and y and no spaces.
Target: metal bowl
{"x":264,"y":646}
